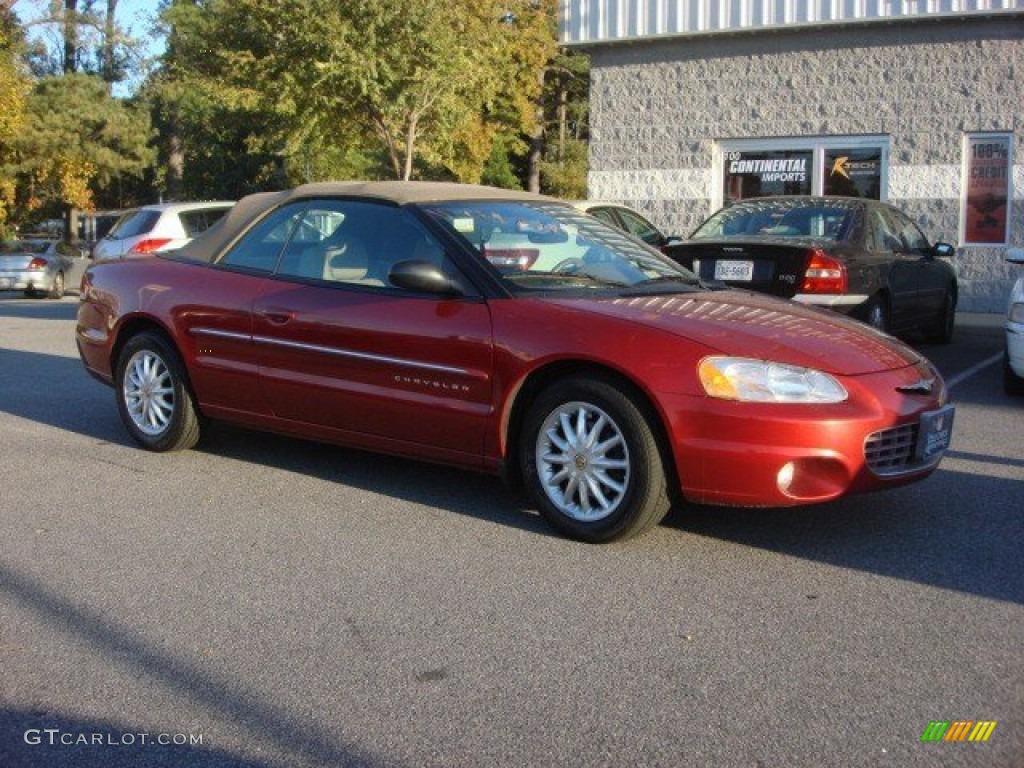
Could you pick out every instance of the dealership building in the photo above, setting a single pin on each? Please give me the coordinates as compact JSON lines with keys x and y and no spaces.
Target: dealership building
{"x":695,"y":103}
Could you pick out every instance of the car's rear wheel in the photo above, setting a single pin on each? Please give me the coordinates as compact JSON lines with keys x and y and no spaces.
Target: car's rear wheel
{"x":591,"y":462}
{"x":1012,"y":383}
{"x":153,"y":395}
{"x":57,"y":287}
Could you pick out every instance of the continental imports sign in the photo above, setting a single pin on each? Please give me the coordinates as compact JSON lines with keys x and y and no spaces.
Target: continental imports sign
{"x":767,"y":172}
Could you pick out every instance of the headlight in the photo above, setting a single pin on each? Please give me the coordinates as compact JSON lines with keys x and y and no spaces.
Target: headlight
{"x":1016,"y":313}
{"x":757,"y":381}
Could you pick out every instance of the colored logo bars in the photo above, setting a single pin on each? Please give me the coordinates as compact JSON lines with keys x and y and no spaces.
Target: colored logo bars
{"x":958,"y":730}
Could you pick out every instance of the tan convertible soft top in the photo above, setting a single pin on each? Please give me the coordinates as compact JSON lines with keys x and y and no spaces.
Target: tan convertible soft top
{"x":207,"y":246}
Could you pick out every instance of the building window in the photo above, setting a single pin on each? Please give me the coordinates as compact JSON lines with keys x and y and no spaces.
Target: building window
{"x":985,"y":200}
{"x":833,"y":165}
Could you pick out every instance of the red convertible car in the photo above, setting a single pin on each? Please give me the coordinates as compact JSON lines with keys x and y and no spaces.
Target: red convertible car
{"x":508,"y":333}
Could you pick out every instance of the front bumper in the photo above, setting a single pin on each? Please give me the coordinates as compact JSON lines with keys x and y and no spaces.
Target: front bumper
{"x":1015,"y":347}
{"x":775,"y":455}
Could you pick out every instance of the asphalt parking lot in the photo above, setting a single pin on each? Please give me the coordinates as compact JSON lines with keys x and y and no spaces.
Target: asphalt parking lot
{"x":261,"y":601}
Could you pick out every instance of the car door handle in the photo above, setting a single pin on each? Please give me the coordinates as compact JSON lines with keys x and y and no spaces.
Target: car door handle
{"x":277,"y":316}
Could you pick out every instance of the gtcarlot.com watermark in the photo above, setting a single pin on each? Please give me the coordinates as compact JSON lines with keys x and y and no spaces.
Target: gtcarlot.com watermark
{"x":55,"y":737}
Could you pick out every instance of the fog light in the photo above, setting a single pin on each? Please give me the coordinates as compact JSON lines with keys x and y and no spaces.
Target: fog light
{"x":785,"y":477}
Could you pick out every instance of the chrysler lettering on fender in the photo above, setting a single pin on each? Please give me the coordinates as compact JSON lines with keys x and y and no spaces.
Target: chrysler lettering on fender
{"x":416,"y":381}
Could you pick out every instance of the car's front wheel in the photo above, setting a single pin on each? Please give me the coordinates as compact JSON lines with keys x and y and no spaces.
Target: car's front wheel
{"x":592,"y":463}
{"x":153,"y":396}
{"x":946,"y":321}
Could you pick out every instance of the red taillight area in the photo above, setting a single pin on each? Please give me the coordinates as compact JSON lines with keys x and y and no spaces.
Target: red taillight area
{"x":513,"y":259}
{"x":824,"y":275}
{"x":151,"y":245}
{"x":37,"y":264}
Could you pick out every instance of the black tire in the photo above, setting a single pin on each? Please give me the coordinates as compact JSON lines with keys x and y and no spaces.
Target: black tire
{"x":946,"y":322}
{"x":153,"y":395}
{"x":57,"y":289}
{"x":1012,"y":383}
{"x":618,"y":463}
{"x":876,"y":314}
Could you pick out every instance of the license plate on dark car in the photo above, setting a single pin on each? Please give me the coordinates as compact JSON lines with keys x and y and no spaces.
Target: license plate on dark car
{"x":935,"y":433}
{"x":734,"y":270}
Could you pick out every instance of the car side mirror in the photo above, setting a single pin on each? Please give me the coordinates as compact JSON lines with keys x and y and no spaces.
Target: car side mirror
{"x":1015,"y":255}
{"x":423,"y":277}
{"x":945,"y":250}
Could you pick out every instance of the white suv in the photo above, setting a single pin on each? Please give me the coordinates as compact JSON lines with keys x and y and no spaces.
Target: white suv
{"x":155,"y":228}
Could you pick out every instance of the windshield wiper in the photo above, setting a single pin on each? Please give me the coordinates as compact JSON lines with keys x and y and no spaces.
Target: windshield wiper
{"x":665,"y":279}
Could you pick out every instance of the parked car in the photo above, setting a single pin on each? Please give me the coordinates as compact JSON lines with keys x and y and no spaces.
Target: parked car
{"x":159,"y":227}
{"x":369,"y":314}
{"x":860,"y":257}
{"x":1013,"y":359}
{"x":41,"y":267}
{"x":628,"y":220}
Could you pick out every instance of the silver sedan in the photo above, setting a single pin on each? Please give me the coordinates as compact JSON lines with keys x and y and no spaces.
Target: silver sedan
{"x":41,"y":267}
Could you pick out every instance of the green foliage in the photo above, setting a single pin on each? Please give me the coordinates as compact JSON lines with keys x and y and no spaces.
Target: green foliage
{"x":76,"y":140}
{"x":564,"y":174}
{"x":331,"y":87}
{"x":14,"y":87}
{"x":500,"y":169}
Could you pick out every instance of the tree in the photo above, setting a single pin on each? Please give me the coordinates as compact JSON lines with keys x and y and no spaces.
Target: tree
{"x":78,"y":36}
{"x":77,"y":144}
{"x":426,"y":85}
{"x":13,"y":90}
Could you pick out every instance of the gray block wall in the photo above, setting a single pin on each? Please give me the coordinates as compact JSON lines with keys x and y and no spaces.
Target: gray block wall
{"x":658,"y":106}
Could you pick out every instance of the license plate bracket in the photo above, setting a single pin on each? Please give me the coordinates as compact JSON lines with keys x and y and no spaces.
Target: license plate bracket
{"x":935,"y":433}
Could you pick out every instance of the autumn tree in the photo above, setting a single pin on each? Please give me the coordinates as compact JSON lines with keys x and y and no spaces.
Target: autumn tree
{"x":14,"y":86}
{"x":76,"y":143}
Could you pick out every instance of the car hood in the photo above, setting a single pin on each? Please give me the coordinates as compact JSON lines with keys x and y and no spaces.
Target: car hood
{"x":757,"y":326}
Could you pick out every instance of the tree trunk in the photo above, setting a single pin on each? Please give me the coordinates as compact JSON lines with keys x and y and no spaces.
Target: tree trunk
{"x":175,"y":161}
{"x":410,"y":146}
{"x":109,"y":47}
{"x":70,"y":36}
{"x":536,"y":153}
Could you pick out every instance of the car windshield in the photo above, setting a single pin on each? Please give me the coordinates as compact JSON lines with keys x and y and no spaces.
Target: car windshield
{"x":24,"y":246}
{"x":134,"y":223}
{"x":780,"y":218}
{"x":539,"y":246}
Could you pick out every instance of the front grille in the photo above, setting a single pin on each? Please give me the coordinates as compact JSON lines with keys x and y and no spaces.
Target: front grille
{"x":891,"y":451}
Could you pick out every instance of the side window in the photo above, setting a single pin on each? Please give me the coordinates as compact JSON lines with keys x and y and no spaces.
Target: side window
{"x":909,"y":231}
{"x":883,"y":234}
{"x":605,"y":215}
{"x":641,"y":228}
{"x":259,"y":248}
{"x":356,"y":243}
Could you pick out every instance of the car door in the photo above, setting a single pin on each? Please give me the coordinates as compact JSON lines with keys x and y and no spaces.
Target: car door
{"x":902,"y":267}
{"x":217,"y":319}
{"x":341,"y":348}
{"x":932,"y":278}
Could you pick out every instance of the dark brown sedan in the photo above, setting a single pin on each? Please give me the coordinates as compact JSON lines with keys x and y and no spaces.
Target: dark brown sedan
{"x":861,"y":257}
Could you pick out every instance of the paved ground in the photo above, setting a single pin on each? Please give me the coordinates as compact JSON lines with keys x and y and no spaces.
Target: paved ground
{"x":290,"y":604}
